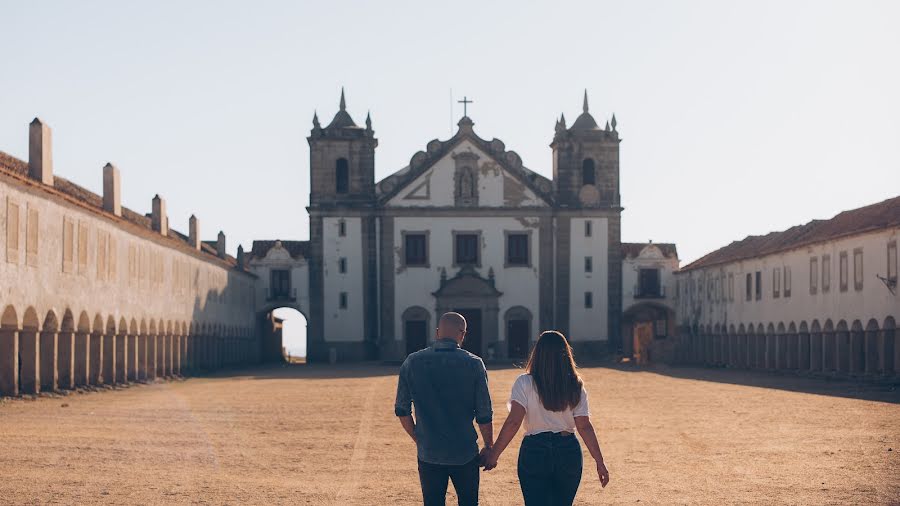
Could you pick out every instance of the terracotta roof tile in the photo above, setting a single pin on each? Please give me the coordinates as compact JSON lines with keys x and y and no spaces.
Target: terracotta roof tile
{"x":873,"y":217}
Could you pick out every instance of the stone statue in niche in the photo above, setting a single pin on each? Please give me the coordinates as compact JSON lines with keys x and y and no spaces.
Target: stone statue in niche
{"x":466,"y":184}
{"x":466,"y":179}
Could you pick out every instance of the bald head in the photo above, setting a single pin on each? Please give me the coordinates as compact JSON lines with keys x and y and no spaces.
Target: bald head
{"x":452,"y":326}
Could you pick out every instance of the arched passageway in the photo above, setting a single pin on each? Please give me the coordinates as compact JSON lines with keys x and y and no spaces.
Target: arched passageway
{"x":284,"y":335}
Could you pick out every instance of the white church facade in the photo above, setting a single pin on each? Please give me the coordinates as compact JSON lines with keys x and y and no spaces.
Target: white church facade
{"x":465,"y":226}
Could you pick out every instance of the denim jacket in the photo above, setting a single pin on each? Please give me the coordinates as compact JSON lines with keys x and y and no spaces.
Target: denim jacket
{"x":448,"y":386}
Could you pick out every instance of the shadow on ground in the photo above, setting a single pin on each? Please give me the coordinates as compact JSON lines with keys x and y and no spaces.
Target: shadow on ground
{"x":884,"y":391}
{"x":881,"y":391}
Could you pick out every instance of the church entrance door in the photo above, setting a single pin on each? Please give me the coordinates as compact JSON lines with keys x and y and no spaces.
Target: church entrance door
{"x":416,"y":335}
{"x":473,"y":329}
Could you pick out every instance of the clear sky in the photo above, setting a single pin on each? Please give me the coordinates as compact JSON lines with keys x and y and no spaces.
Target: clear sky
{"x":737,"y":117}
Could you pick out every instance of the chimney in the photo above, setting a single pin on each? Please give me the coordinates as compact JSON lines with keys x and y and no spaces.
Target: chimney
{"x":240,"y":256}
{"x":220,"y":244}
{"x":112,"y":195}
{"x":40,"y":154}
{"x":159,"y":219}
{"x":194,"y":235}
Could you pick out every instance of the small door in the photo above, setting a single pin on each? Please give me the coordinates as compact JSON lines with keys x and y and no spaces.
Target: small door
{"x":473,"y":330}
{"x":517,"y":334}
{"x":416,"y":333}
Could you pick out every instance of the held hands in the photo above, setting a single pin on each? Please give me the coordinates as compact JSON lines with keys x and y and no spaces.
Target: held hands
{"x":603,"y":473}
{"x":488,"y":458}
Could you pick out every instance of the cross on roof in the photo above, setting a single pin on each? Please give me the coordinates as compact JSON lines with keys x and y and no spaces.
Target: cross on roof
{"x":465,"y":102}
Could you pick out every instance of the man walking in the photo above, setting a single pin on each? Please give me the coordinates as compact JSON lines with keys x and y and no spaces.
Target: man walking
{"x":448,"y":386}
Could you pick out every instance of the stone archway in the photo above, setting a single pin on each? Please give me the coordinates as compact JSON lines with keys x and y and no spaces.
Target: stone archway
{"x":645,"y":327}
{"x":477,"y":299}
{"x":281,"y":340}
{"x":416,"y":327}
{"x":518,"y":324}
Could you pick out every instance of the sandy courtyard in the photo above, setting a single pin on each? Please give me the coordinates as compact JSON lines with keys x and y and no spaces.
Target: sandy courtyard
{"x":327,"y":435}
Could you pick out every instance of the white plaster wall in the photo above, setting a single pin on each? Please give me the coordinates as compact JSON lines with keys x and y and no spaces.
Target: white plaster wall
{"x":205,"y":292}
{"x":343,"y":325}
{"x":649,"y":260}
{"x":873,"y":301}
{"x":588,"y":324}
{"x":413,"y":286}
{"x":280,"y":259}
{"x":442,"y":185}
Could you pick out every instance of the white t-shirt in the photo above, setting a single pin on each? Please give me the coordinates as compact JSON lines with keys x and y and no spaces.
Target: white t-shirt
{"x":537,"y":418}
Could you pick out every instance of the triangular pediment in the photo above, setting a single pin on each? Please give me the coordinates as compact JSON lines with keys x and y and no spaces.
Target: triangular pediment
{"x":467,"y":284}
{"x":465,"y":171}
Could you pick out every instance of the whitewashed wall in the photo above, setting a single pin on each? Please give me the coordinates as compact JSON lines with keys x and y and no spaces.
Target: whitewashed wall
{"x":163,"y":279}
{"x":277,"y":259}
{"x":440,"y":184}
{"x":651,"y":257}
{"x":413,"y":286}
{"x":873,"y":301}
{"x":343,"y":325}
{"x":588,"y":324}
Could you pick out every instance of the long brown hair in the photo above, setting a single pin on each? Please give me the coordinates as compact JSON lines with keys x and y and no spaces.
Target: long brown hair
{"x":552,"y":367}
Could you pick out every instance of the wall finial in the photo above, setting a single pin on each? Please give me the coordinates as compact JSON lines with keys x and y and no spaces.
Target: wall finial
{"x":369,"y":121}
{"x":613,"y":122}
{"x":316,"y":124}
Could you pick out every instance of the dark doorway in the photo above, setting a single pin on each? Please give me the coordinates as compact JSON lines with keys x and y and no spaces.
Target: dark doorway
{"x":517,"y":334}
{"x":473,"y":330}
{"x":416,"y":335}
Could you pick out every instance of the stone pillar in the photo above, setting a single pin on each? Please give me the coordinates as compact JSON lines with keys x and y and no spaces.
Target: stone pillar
{"x":187,"y":355}
{"x":160,"y":354}
{"x":816,"y":351}
{"x":803,"y":352}
{"x":843,"y":351}
{"x":96,"y":360}
{"x":121,"y":358}
{"x":886,"y":352}
{"x":781,"y":351}
{"x":66,"y":365}
{"x":9,"y":362}
{"x":133,"y":357}
{"x":177,"y":358}
{"x":152,"y":357}
{"x":30,"y":368}
{"x":49,"y":357}
{"x":109,"y":359}
{"x":873,"y":364}
{"x":170,"y":356}
{"x":82,"y":358}
{"x":142,"y":357}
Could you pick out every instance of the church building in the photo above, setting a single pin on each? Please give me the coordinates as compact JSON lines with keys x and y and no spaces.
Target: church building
{"x":464,"y":227}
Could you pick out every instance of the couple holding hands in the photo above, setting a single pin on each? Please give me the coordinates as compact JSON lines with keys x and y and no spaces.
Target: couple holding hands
{"x":448,"y":386}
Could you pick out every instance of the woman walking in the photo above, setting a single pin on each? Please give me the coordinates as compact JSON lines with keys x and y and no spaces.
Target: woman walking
{"x":550,"y":398}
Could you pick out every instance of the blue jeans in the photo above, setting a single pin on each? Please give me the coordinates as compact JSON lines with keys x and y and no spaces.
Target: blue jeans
{"x":549,"y":469}
{"x":465,"y":478}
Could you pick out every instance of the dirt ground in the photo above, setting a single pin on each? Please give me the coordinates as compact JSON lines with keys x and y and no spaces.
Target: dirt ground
{"x":305,"y":434}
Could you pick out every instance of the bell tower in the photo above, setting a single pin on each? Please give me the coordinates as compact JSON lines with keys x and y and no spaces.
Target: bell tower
{"x":341,"y":160}
{"x":586,"y":162}
{"x":588,"y":231}
{"x":343,"y":292}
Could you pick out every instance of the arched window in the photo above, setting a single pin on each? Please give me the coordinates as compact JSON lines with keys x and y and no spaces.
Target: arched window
{"x":588,"y":175}
{"x":342,"y":175}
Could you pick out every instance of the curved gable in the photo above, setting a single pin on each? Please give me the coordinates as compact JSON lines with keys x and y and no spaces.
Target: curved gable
{"x":465,"y":171}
